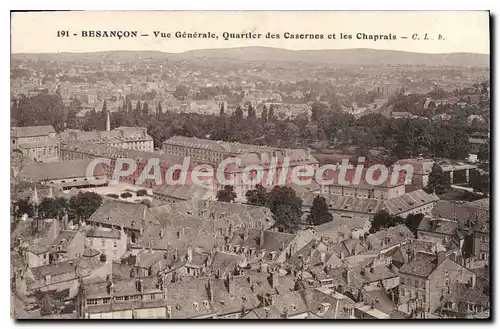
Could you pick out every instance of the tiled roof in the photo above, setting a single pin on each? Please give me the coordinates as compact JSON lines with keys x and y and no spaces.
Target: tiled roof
{"x":183,"y":192}
{"x":123,"y":214}
{"x":436,"y":225}
{"x":223,"y":263}
{"x":100,"y":150}
{"x":479,"y":217}
{"x":31,"y":131}
{"x":36,"y":172}
{"x":389,"y":237}
{"x":272,"y":241}
{"x":422,"y":265}
{"x":63,"y":240}
{"x":121,"y":134}
{"x":54,"y":269}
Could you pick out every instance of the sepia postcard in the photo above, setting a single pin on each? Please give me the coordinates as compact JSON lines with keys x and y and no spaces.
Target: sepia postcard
{"x":250,"y":165}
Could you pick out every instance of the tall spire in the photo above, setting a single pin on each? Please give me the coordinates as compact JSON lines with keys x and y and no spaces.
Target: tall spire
{"x":34,"y":197}
{"x":50,"y":195}
{"x":108,"y":122}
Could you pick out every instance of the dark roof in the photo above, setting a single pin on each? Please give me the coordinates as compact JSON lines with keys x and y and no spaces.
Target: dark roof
{"x":422,"y":265}
{"x":477,"y":216}
{"x":271,"y":241}
{"x":53,"y":269}
{"x":436,"y":225}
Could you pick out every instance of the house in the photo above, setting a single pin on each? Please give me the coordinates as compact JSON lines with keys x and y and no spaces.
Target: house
{"x":36,"y":240}
{"x":464,"y":301}
{"x":414,"y":202}
{"x":136,"y":298}
{"x":426,"y":278}
{"x":67,"y":245}
{"x":472,"y":218}
{"x":341,"y":228}
{"x":38,"y":142}
{"x":267,"y":245}
{"x":118,"y":215}
{"x":108,"y":241}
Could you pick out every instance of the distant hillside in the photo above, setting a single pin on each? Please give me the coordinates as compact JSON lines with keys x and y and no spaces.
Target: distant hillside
{"x":261,"y":54}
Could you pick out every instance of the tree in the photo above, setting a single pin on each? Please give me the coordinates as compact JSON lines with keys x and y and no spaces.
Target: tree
{"x":257,"y":197}
{"x":439,"y":181}
{"x":286,"y":207}
{"x":221,"y":110}
{"x":147,"y":203}
{"x":142,"y":192}
{"x":412,"y":221}
{"x":22,"y":207}
{"x":484,"y":152}
{"x":129,"y":106}
{"x":181,"y":92}
{"x":126,"y":195}
{"x":383,"y":220}
{"x":263,"y":115}
{"x":319,"y":212}
{"x":271,"y":116}
{"x":83,"y":205}
{"x":251,"y":112}
{"x":138,"y":109}
{"x":159,"y":111}
{"x":145,"y":110}
{"x":286,"y":218}
{"x":480,"y":182}
{"x":227,"y":194}
{"x":47,"y":305}
{"x":238,"y":114}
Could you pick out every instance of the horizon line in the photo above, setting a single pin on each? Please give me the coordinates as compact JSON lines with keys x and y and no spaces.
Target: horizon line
{"x":243,"y":47}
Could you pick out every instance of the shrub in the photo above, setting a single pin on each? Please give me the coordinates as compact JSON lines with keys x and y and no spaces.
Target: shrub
{"x":142,"y":192}
{"x":112,"y":195}
{"x":126,"y":195}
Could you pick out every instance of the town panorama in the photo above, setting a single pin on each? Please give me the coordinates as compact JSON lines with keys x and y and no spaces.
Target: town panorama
{"x":130,"y":246}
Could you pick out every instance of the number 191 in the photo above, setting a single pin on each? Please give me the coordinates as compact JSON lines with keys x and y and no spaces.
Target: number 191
{"x":62,"y":34}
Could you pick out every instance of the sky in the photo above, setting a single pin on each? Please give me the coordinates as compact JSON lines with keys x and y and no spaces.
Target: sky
{"x":463,"y":31}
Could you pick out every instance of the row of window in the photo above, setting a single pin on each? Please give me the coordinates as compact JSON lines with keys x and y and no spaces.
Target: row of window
{"x":103,"y":243}
{"x":413,"y":282}
{"x":404,"y":292}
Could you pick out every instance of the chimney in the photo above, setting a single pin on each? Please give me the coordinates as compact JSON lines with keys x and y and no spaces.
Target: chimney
{"x":139,"y":285}
{"x":210,"y":288}
{"x":323,"y":257}
{"x":261,"y":238}
{"x":110,"y":285}
{"x":347,"y":276}
{"x":230,"y":284}
{"x":169,"y":312}
{"x":108,"y":122}
{"x":162,"y":234}
{"x":189,"y":255}
{"x":245,"y":233}
{"x":274,"y":279}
